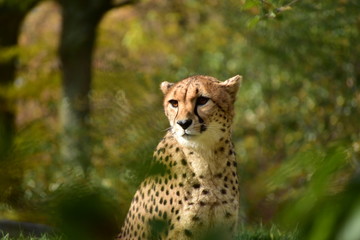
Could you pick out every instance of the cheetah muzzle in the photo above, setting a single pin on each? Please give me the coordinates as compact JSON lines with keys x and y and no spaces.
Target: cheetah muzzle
{"x":197,"y":192}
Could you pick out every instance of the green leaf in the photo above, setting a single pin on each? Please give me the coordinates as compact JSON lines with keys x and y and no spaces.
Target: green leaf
{"x":250,"y":4}
{"x":253,"y":22}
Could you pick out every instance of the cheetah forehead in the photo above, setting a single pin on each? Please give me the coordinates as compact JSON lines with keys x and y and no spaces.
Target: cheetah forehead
{"x":192,"y":87}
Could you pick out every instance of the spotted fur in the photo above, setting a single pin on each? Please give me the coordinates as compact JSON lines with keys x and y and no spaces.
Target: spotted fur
{"x":196,"y":190}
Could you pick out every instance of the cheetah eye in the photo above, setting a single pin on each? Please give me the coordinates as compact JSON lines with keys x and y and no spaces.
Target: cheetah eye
{"x":202,"y":101}
{"x":174,"y":103}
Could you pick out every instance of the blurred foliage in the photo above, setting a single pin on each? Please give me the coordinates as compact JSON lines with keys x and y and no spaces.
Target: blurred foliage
{"x":84,"y":211}
{"x":296,"y":131}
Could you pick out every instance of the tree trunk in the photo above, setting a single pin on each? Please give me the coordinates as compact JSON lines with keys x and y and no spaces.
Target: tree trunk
{"x":79,"y":22}
{"x":11,"y":173}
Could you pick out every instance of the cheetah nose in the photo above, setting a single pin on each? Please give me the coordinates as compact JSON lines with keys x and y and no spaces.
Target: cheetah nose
{"x":184,"y":123}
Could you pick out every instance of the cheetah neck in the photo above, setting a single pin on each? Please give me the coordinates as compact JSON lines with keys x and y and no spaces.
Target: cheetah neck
{"x":209,"y":161}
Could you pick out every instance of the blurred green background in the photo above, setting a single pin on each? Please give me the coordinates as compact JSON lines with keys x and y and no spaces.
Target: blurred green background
{"x":296,"y":129}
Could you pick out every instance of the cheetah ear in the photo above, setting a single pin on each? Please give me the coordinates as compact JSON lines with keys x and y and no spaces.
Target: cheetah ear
{"x":165,"y":87}
{"x":232,"y":85}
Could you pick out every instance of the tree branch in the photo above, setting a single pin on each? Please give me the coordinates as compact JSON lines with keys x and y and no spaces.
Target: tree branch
{"x":285,"y":7}
{"x":278,"y":10}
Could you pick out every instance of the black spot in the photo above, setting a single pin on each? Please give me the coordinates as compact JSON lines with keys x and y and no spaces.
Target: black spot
{"x":195,"y":218}
{"x":181,"y":184}
{"x":225,"y":178}
{"x":228,"y":215}
{"x":202,"y":203}
{"x":222,"y":149}
{"x":222,"y":129}
{"x":178,"y":218}
{"x":223,"y":191}
{"x":191,"y":153}
{"x":201,"y":176}
{"x":177,"y":193}
{"x":160,"y":150}
{"x":183,"y":162}
{"x":196,"y":185}
{"x":228,"y":163}
{"x":234,"y":163}
{"x":188,"y":233}
{"x":184,"y":175}
{"x":177,"y":149}
{"x":162,"y":188}
{"x":205,"y":192}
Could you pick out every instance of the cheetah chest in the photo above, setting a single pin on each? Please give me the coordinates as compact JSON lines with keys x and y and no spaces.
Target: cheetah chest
{"x":207,"y":193}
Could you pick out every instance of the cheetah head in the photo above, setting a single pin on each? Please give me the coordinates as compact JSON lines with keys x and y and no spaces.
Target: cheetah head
{"x":200,"y":109}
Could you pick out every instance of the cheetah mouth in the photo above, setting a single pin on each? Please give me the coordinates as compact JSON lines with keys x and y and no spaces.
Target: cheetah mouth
{"x":188,"y":135}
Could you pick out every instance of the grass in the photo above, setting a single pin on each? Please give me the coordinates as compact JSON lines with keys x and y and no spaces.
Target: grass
{"x":262,"y":233}
{"x":23,"y":237}
{"x":259,"y":233}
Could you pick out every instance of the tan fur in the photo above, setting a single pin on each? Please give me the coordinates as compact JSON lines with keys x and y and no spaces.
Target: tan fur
{"x":198,"y":191}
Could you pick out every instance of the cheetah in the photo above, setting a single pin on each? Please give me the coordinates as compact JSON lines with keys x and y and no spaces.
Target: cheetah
{"x":194,"y":190}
